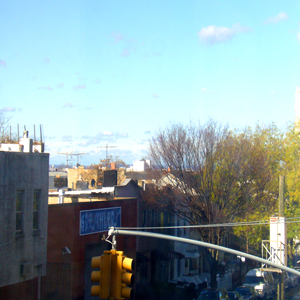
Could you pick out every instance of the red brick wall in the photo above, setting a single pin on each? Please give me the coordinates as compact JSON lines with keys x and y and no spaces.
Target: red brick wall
{"x":26,"y":290}
{"x":63,"y":231}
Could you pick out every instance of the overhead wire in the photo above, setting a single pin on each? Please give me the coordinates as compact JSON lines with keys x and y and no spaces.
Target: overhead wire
{"x":235,"y":224}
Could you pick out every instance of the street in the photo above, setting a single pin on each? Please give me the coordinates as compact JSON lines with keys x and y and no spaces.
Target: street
{"x":292,"y":294}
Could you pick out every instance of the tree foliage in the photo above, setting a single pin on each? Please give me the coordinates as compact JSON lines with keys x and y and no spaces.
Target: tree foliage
{"x":291,"y":164}
{"x":215,"y":175}
{"x":4,"y":126}
{"x":105,"y":164}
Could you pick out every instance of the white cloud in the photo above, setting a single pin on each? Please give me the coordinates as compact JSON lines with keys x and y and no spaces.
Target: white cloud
{"x":8,"y":109}
{"x":69,"y":104}
{"x":204,"y":90}
{"x":67,"y":138}
{"x":275,"y":19}
{"x":107,"y":133}
{"x":212,"y":34}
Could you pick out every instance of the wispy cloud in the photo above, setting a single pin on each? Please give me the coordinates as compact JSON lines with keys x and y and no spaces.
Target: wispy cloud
{"x":213,"y":35}
{"x":69,"y":104}
{"x":125,"y":53}
{"x":275,"y":19}
{"x":46,"y":60}
{"x":79,"y":87}
{"x":117,"y":37}
{"x":50,"y":137}
{"x":2,"y":63}
{"x":48,"y":88}
{"x":11,"y":109}
{"x":98,"y":81}
{"x":122,"y":134}
{"x":298,"y":33}
{"x":67,"y":138}
{"x":204,"y":90}
{"x":8,"y":109}
{"x":104,"y":136}
{"x":147,"y":132}
{"x":60,"y":86}
{"x":155,"y":95}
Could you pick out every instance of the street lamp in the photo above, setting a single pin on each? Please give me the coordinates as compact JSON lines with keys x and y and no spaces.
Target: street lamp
{"x":242,"y":259}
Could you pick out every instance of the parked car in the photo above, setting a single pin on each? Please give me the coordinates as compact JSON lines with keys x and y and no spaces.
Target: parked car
{"x":233,"y":295}
{"x":248,"y":292}
{"x":262,"y":281}
{"x":213,"y":294}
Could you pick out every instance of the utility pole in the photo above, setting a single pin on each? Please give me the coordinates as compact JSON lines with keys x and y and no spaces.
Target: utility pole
{"x":280,"y":288}
{"x":106,"y":151}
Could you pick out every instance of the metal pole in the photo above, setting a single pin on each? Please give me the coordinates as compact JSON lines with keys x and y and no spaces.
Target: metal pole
{"x":282,"y":277}
{"x":112,"y":231}
{"x":41,"y":134}
{"x":280,"y":296}
{"x":106,"y":156}
{"x":281,"y":196}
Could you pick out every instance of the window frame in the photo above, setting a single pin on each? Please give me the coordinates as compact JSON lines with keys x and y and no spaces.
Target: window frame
{"x":19,"y":211}
{"x":36,"y":207}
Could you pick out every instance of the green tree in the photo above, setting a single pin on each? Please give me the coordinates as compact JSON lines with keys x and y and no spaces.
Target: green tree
{"x":263,"y":163}
{"x":291,"y":164}
{"x":213,"y":176}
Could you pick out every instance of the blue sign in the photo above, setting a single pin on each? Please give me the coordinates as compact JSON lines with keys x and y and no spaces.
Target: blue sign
{"x":99,"y":220}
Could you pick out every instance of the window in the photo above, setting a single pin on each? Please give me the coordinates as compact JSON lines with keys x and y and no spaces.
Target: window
{"x":178,"y":268}
{"x":161,"y":219}
{"x":36,"y":208}
{"x":19,"y":211}
{"x":153,"y":217}
{"x":145,"y":218}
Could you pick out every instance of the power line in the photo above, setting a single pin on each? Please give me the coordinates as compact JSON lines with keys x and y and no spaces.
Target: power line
{"x":236,"y":224}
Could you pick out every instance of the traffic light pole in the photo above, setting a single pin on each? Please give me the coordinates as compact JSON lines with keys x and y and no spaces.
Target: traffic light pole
{"x":113,"y":231}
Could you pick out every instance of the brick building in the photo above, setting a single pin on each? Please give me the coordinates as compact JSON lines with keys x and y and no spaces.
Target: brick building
{"x":71,"y":244}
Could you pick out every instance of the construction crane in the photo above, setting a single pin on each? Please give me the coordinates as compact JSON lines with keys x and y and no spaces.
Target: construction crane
{"x":106,"y":151}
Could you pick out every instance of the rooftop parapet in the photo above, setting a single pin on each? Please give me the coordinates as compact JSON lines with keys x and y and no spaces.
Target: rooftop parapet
{"x":25,"y":145}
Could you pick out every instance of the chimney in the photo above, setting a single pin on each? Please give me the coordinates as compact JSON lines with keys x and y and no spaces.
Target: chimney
{"x":110,"y":178}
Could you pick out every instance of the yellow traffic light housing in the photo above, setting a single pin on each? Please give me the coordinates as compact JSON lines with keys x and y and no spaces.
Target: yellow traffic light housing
{"x":121,"y":266}
{"x":127,"y":278}
{"x":103,"y":276}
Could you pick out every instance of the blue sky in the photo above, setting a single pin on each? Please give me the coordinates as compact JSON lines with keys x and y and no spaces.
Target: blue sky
{"x":113,"y":72}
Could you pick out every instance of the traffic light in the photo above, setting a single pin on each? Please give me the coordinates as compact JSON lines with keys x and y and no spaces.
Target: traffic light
{"x":103,"y":276}
{"x":121,"y":266}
